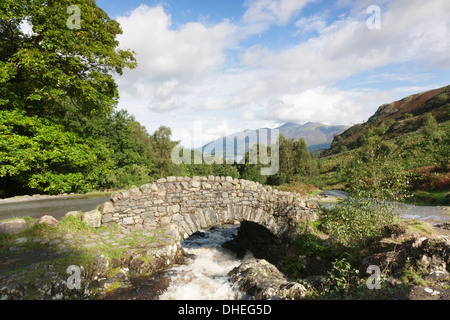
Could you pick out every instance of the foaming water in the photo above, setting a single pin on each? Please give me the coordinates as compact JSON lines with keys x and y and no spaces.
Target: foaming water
{"x":204,"y":276}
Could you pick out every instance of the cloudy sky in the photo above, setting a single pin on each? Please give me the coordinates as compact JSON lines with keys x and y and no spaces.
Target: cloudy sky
{"x":228,"y":65}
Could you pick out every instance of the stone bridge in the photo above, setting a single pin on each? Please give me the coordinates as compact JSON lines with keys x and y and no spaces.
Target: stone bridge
{"x":187,"y":205}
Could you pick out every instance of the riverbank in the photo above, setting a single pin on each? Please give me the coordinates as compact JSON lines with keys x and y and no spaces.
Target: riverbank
{"x":39,"y":262}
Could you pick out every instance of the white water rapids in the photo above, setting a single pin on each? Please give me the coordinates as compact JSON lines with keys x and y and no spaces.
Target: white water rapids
{"x":204,"y":276}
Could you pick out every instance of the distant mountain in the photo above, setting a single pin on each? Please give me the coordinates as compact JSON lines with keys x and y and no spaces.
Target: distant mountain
{"x":317,"y":136}
{"x":400,"y":117}
{"x":313,"y":133}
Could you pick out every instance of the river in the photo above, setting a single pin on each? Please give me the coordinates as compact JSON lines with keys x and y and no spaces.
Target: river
{"x":430,"y":214}
{"x":204,"y":276}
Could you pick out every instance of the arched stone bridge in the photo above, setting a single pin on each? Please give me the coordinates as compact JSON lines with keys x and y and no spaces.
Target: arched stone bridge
{"x":187,"y":205}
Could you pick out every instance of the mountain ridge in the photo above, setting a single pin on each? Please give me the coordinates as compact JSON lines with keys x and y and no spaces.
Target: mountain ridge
{"x":318,"y":136}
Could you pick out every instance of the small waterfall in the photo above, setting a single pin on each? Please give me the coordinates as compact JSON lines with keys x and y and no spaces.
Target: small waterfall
{"x":204,"y":276}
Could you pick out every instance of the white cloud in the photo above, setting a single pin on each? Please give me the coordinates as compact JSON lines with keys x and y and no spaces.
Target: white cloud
{"x":410,"y":32}
{"x":278,"y":12}
{"x":327,"y":105}
{"x":311,"y":24}
{"x":164,"y":53}
{"x":183,"y":74}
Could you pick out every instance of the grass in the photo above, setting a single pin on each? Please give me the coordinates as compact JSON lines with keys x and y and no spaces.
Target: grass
{"x":429,"y":198}
{"x":299,"y":187}
{"x":420,"y":227}
{"x":413,"y":277}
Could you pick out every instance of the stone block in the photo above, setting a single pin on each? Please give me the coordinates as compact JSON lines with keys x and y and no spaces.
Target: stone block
{"x":13,"y":226}
{"x":75,"y":214}
{"x":107,"y":218}
{"x":106,"y":207}
{"x":147,"y":215}
{"x":148,"y":188}
{"x":135,"y":192}
{"x":195,"y":183}
{"x":173,"y":209}
{"x":92,"y":218}
{"x":128,"y":221}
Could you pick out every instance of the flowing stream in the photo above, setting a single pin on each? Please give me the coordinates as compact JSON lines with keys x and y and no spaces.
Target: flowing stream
{"x":204,"y":276}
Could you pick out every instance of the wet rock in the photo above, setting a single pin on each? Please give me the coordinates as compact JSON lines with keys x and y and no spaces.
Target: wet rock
{"x":263,"y":281}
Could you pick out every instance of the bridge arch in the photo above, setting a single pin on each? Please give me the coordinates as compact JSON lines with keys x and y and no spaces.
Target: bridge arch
{"x":187,"y":205}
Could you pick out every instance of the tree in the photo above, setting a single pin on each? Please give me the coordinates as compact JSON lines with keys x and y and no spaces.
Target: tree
{"x":58,"y":97}
{"x":250,"y":166}
{"x":295,"y":161}
{"x":43,"y":71}
{"x":377,"y":181}
{"x":162,"y":147}
{"x":36,"y":154}
{"x":429,"y":127}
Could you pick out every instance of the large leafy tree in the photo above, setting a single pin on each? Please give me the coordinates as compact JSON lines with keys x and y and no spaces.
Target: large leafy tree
{"x":36,"y":154}
{"x":162,"y":147}
{"x":53,"y":65}
{"x":57,"y":97}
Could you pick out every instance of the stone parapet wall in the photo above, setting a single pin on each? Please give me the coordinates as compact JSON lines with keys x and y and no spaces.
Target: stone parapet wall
{"x":191,"y":204}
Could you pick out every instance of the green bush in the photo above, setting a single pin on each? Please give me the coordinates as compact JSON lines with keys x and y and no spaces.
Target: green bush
{"x":354,"y":220}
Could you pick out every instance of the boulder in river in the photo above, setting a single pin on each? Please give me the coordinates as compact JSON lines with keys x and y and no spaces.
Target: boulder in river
{"x":263,"y":281}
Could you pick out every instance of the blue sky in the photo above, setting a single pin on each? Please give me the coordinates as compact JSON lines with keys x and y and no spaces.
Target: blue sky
{"x":231,"y":65}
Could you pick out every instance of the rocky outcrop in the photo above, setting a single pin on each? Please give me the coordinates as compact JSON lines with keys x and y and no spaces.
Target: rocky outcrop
{"x":422,"y":254}
{"x":263,"y":281}
{"x":424,"y":263}
{"x":42,"y":281}
{"x":25,"y":275}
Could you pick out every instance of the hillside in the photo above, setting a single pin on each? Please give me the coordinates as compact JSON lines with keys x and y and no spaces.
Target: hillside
{"x":413,"y":132}
{"x":400,"y":117}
